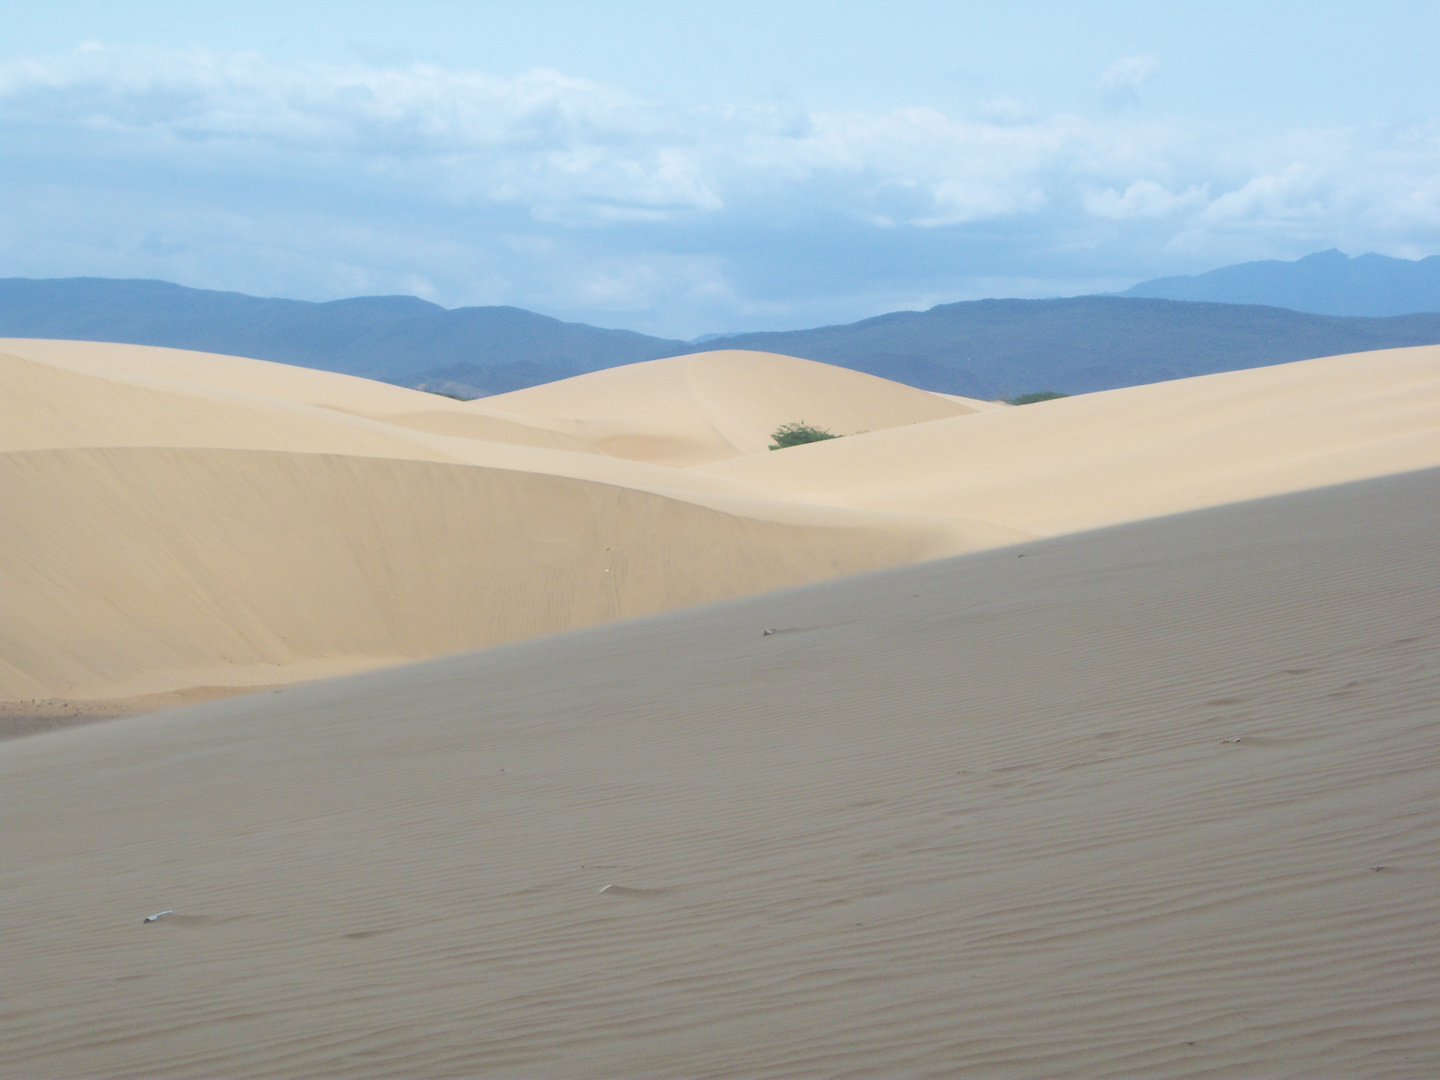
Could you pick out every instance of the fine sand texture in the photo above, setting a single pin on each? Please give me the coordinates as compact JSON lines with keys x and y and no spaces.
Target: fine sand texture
{"x":179,"y":520}
{"x":36,"y":715}
{"x":1157,"y":800}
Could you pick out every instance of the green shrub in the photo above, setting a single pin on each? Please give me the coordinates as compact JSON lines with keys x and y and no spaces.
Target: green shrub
{"x":1038,"y":395}
{"x":795,"y":434}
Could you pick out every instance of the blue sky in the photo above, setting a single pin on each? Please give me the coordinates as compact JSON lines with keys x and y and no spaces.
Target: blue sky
{"x":681,"y":169}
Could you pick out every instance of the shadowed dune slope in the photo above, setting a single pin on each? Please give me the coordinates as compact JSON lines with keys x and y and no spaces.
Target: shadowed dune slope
{"x":1156,"y":800}
{"x":712,"y":406}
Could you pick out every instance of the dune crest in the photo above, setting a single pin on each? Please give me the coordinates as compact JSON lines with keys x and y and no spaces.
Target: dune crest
{"x":705,"y":407}
{"x":1122,"y":455}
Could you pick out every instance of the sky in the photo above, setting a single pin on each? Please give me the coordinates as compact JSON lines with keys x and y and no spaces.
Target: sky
{"x":708,"y":167}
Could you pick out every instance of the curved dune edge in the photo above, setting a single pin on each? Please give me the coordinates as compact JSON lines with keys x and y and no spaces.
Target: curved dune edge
{"x":138,"y":570}
{"x":1153,"y":801}
{"x":180,"y":520}
{"x":1144,"y":451}
{"x":715,"y":406}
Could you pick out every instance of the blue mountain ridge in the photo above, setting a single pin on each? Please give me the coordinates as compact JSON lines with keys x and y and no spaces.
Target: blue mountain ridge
{"x":983,"y":348}
{"x":1326,"y":283}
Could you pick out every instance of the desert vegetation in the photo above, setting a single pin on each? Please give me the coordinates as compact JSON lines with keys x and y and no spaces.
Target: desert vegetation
{"x":1037,"y":395}
{"x":798,"y":433}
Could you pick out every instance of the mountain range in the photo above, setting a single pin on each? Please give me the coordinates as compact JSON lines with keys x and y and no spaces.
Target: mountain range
{"x":396,"y":339}
{"x":1000,"y":348}
{"x":983,"y":348}
{"x":1326,"y":283}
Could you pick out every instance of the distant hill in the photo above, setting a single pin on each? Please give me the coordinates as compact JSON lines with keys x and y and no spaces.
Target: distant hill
{"x":1326,"y":283}
{"x":983,"y":348}
{"x":397,"y":339}
{"x":1001,"y":348}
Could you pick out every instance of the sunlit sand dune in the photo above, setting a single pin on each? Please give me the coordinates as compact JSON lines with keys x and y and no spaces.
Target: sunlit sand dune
{"x":73,"y":386}
{"x":1157,"y":800}
{"x":1122,"y":455}
{"x":179,"y":520}
{"x":130,"y":571}
{"x":688,"y":410}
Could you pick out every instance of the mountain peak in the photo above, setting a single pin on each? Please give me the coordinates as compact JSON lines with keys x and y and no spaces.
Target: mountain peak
{"x":1325,"y":283}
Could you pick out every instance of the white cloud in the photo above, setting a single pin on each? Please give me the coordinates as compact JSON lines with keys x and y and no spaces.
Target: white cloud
{"x":1128,"y":72}
{"x":580,"y":199}
{"x":1300,"y":192}
{"x":1143,"y":198}
{"x":568,"y":150}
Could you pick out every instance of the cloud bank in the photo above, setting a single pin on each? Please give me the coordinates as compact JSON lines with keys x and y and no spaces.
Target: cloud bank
{"x":588,"y":202}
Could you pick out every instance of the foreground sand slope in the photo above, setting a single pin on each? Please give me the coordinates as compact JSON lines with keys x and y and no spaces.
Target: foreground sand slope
{"x":1153,"y":801}
{"x":1122,"y":455}
{"x":688,"y":410}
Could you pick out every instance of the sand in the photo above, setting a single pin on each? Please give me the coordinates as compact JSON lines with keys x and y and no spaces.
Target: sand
{"x":1155,"y":800}
{"x":178,"y":520}
{"x":35,"y":715}
{"x":1124,"y":455}
{"x":716,"y":406}
{"x":1088,"y":738}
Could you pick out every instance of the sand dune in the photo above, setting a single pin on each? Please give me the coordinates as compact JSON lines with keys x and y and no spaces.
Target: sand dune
{"x":712,"y":406}
{"x":178,"y":520}
{"x":1157,"y":800}
{"x":1123,"y":455}
{"x":131,"y":571}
